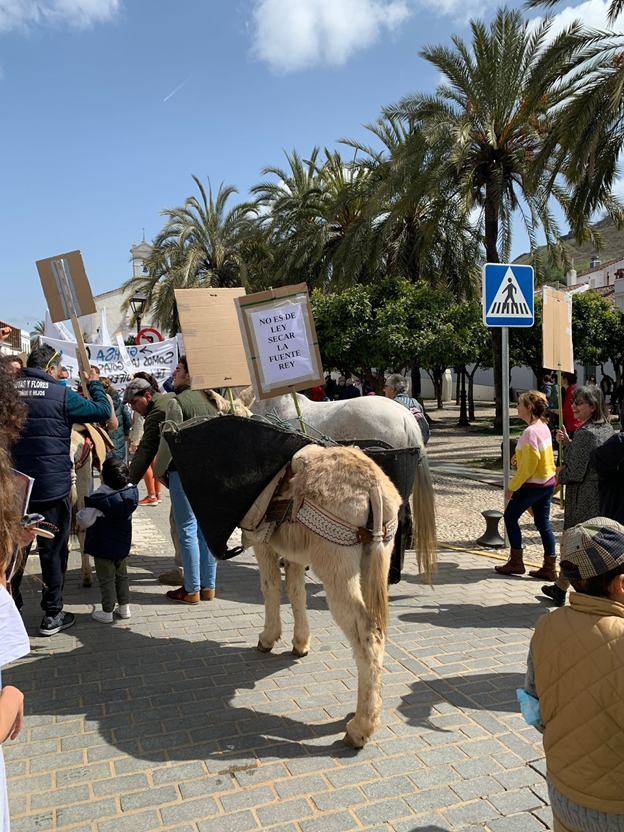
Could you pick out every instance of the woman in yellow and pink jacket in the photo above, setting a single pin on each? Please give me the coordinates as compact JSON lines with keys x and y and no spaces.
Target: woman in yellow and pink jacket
{"x":531,"y":487}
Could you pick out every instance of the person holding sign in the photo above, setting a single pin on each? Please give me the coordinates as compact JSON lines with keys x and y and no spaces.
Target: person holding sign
{"x":200,"y":567}
{"x":43,"y":452}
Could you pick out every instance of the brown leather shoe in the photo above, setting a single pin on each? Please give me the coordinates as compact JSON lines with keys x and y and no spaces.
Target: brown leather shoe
{"x":182,"y":596}
{"x":208,"y":594}
{"x":548,"y":571}
{"x":514,"y":566}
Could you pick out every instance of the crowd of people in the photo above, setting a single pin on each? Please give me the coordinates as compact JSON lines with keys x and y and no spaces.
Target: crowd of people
{"x":575,"y":677}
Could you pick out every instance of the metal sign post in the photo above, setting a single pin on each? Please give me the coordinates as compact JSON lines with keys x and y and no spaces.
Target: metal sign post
{"x":508,"y":300}
{"x":506,"y":408}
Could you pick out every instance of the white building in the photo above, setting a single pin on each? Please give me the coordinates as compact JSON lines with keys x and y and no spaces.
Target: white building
{"x":118,"y":319}
{"x":606,"y":278}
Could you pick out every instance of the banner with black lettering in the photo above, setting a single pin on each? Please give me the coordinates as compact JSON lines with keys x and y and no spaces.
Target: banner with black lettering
{"x":159,"y":360}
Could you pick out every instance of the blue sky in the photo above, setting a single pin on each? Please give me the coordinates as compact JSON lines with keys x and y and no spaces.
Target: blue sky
{"x":109,"y":106}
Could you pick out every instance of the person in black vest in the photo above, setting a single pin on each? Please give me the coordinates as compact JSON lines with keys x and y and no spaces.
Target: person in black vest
{"x":107,"y":517}
{"x":42,"y":453}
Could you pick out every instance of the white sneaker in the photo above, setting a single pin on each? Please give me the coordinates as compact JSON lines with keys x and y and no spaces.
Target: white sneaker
{"x":123,"y":611}
{"x":103,"y":617}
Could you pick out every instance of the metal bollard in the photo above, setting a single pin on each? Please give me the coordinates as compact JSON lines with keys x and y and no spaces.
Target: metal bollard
{"x":491,"y":537}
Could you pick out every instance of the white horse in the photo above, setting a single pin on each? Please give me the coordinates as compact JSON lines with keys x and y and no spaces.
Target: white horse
{"x":82,"y":460}
{"x":371,"y":417}
{"x":333,"y":491}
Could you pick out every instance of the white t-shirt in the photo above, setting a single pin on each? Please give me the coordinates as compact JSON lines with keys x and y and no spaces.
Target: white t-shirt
{"x":14,"y":644}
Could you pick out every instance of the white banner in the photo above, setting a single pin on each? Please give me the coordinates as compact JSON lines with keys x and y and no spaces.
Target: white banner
{"x":159,"y":360}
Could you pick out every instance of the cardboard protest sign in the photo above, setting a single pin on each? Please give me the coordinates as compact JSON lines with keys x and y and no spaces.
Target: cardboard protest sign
{"x":66,"y":297}
{"x":159,"y":360}
{"x":68,"y":293}
{"x":212,"y":337}
{"x":280,"y":341}
{"x":557,"y":330}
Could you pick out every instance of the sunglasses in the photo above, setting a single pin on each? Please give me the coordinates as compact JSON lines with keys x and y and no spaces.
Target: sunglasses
{"x":579,"y":402}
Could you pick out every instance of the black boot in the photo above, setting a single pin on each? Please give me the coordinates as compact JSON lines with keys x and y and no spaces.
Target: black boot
{"x":557,"y":595}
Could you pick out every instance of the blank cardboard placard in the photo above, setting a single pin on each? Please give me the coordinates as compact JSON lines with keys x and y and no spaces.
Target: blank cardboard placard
{"x":80,"y":290}
{"x":557,"y":330}
{"x":280,"y":341}
{"x":212,"y":337}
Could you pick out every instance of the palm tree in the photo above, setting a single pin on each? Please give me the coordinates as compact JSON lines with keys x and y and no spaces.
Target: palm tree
{"x":488,"y":122}
{"x":200,"y":245}
{"x":308,"y":210}
{"x":414,"y":225}
{"x":589,"y":134}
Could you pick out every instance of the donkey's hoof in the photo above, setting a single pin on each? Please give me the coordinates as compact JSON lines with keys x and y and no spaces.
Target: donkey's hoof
{"x":263,"y":648}
{"x":300,"y":653}
{"x":354,"y":742}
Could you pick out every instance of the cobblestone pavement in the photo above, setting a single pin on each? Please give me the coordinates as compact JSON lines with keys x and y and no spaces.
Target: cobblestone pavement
{"x":173,"y":720}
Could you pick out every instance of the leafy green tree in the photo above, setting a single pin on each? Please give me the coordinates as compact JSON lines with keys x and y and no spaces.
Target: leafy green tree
{"x":598,"y":332}
{"x":200,"y":245}
{"x":490,"y":118}
{"x":396,"y":325}
{"x":526,"y":345}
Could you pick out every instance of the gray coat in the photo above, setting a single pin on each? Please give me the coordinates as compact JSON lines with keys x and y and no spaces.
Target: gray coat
{"x":582,"y":501}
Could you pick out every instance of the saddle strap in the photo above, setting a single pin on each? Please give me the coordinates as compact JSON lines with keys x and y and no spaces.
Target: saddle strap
{"x":86,"y":450}
{"x":324,"y":524}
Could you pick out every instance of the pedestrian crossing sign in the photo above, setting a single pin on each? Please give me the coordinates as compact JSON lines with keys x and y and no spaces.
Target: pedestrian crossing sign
{"x":508,"y":295}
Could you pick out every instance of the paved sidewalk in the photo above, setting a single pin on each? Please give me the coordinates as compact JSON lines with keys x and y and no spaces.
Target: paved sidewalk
{"x":173,"y":720}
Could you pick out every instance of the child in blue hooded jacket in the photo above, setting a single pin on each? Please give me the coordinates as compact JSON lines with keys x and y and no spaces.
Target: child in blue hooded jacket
{"x":107,"y":517}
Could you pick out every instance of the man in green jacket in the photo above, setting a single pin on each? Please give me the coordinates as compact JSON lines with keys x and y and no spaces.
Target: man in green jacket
{"x":200,"y":567}
{"x":152,"y":406}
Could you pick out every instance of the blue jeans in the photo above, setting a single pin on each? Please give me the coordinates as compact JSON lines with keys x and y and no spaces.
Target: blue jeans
{"x":539,"y":500}
{"x":200,"y":567}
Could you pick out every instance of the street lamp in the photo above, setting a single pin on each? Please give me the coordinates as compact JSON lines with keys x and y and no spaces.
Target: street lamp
{"x":137,"y":304}
{"x":463,"y":413}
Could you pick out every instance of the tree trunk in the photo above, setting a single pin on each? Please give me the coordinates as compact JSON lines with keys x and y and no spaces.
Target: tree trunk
{"x":491,"y":252}
{"x":457,"y":383}
{"x":416,"y":384}
{"x":438,"y":375}
{"x":471,"y":407}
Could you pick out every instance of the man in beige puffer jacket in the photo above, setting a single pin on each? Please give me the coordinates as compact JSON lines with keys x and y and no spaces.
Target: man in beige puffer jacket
{"x":576,"y":670}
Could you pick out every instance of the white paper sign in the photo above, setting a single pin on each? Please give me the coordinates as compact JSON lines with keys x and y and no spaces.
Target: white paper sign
{"x":159,"y":360}
{"x":282,"y":344}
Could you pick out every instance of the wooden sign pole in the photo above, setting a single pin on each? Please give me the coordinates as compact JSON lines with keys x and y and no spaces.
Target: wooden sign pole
{"x":561,"y":426}
{"x":60,"y":268}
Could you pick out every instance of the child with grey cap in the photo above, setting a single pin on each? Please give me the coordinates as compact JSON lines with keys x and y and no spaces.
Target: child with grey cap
{"x":576,"y":671}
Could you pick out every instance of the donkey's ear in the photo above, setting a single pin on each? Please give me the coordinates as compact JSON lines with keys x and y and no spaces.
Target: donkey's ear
{"x":247,"y":396}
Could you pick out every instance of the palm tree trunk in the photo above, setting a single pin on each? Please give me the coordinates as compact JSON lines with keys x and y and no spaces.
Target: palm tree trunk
{"x":491,"y":251}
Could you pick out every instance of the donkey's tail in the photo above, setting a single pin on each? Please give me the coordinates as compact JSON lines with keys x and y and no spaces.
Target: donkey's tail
{"x":425,"y":536}
{"x":376,"y":575}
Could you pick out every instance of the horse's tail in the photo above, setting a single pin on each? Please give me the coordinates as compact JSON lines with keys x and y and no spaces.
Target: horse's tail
{"x":425,"y":536}
{"x":376,"y":576}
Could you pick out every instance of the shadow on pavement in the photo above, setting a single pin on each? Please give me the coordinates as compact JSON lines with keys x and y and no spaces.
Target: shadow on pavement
{"x":473,"y":616}
{"x":170,"y":699}
{"x":487,"y":691}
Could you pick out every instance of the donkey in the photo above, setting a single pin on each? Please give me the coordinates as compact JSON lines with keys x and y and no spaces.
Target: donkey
{"x":333,"y":493}
{"x":82,"y":460}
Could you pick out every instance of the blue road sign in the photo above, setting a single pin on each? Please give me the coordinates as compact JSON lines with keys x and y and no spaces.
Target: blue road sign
{"x":508,"y":295}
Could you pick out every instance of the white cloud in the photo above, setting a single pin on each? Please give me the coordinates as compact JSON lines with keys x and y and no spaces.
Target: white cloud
{"x":22,"y":14}
{"x":291,"y":35}
{"x":593,"y":14}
